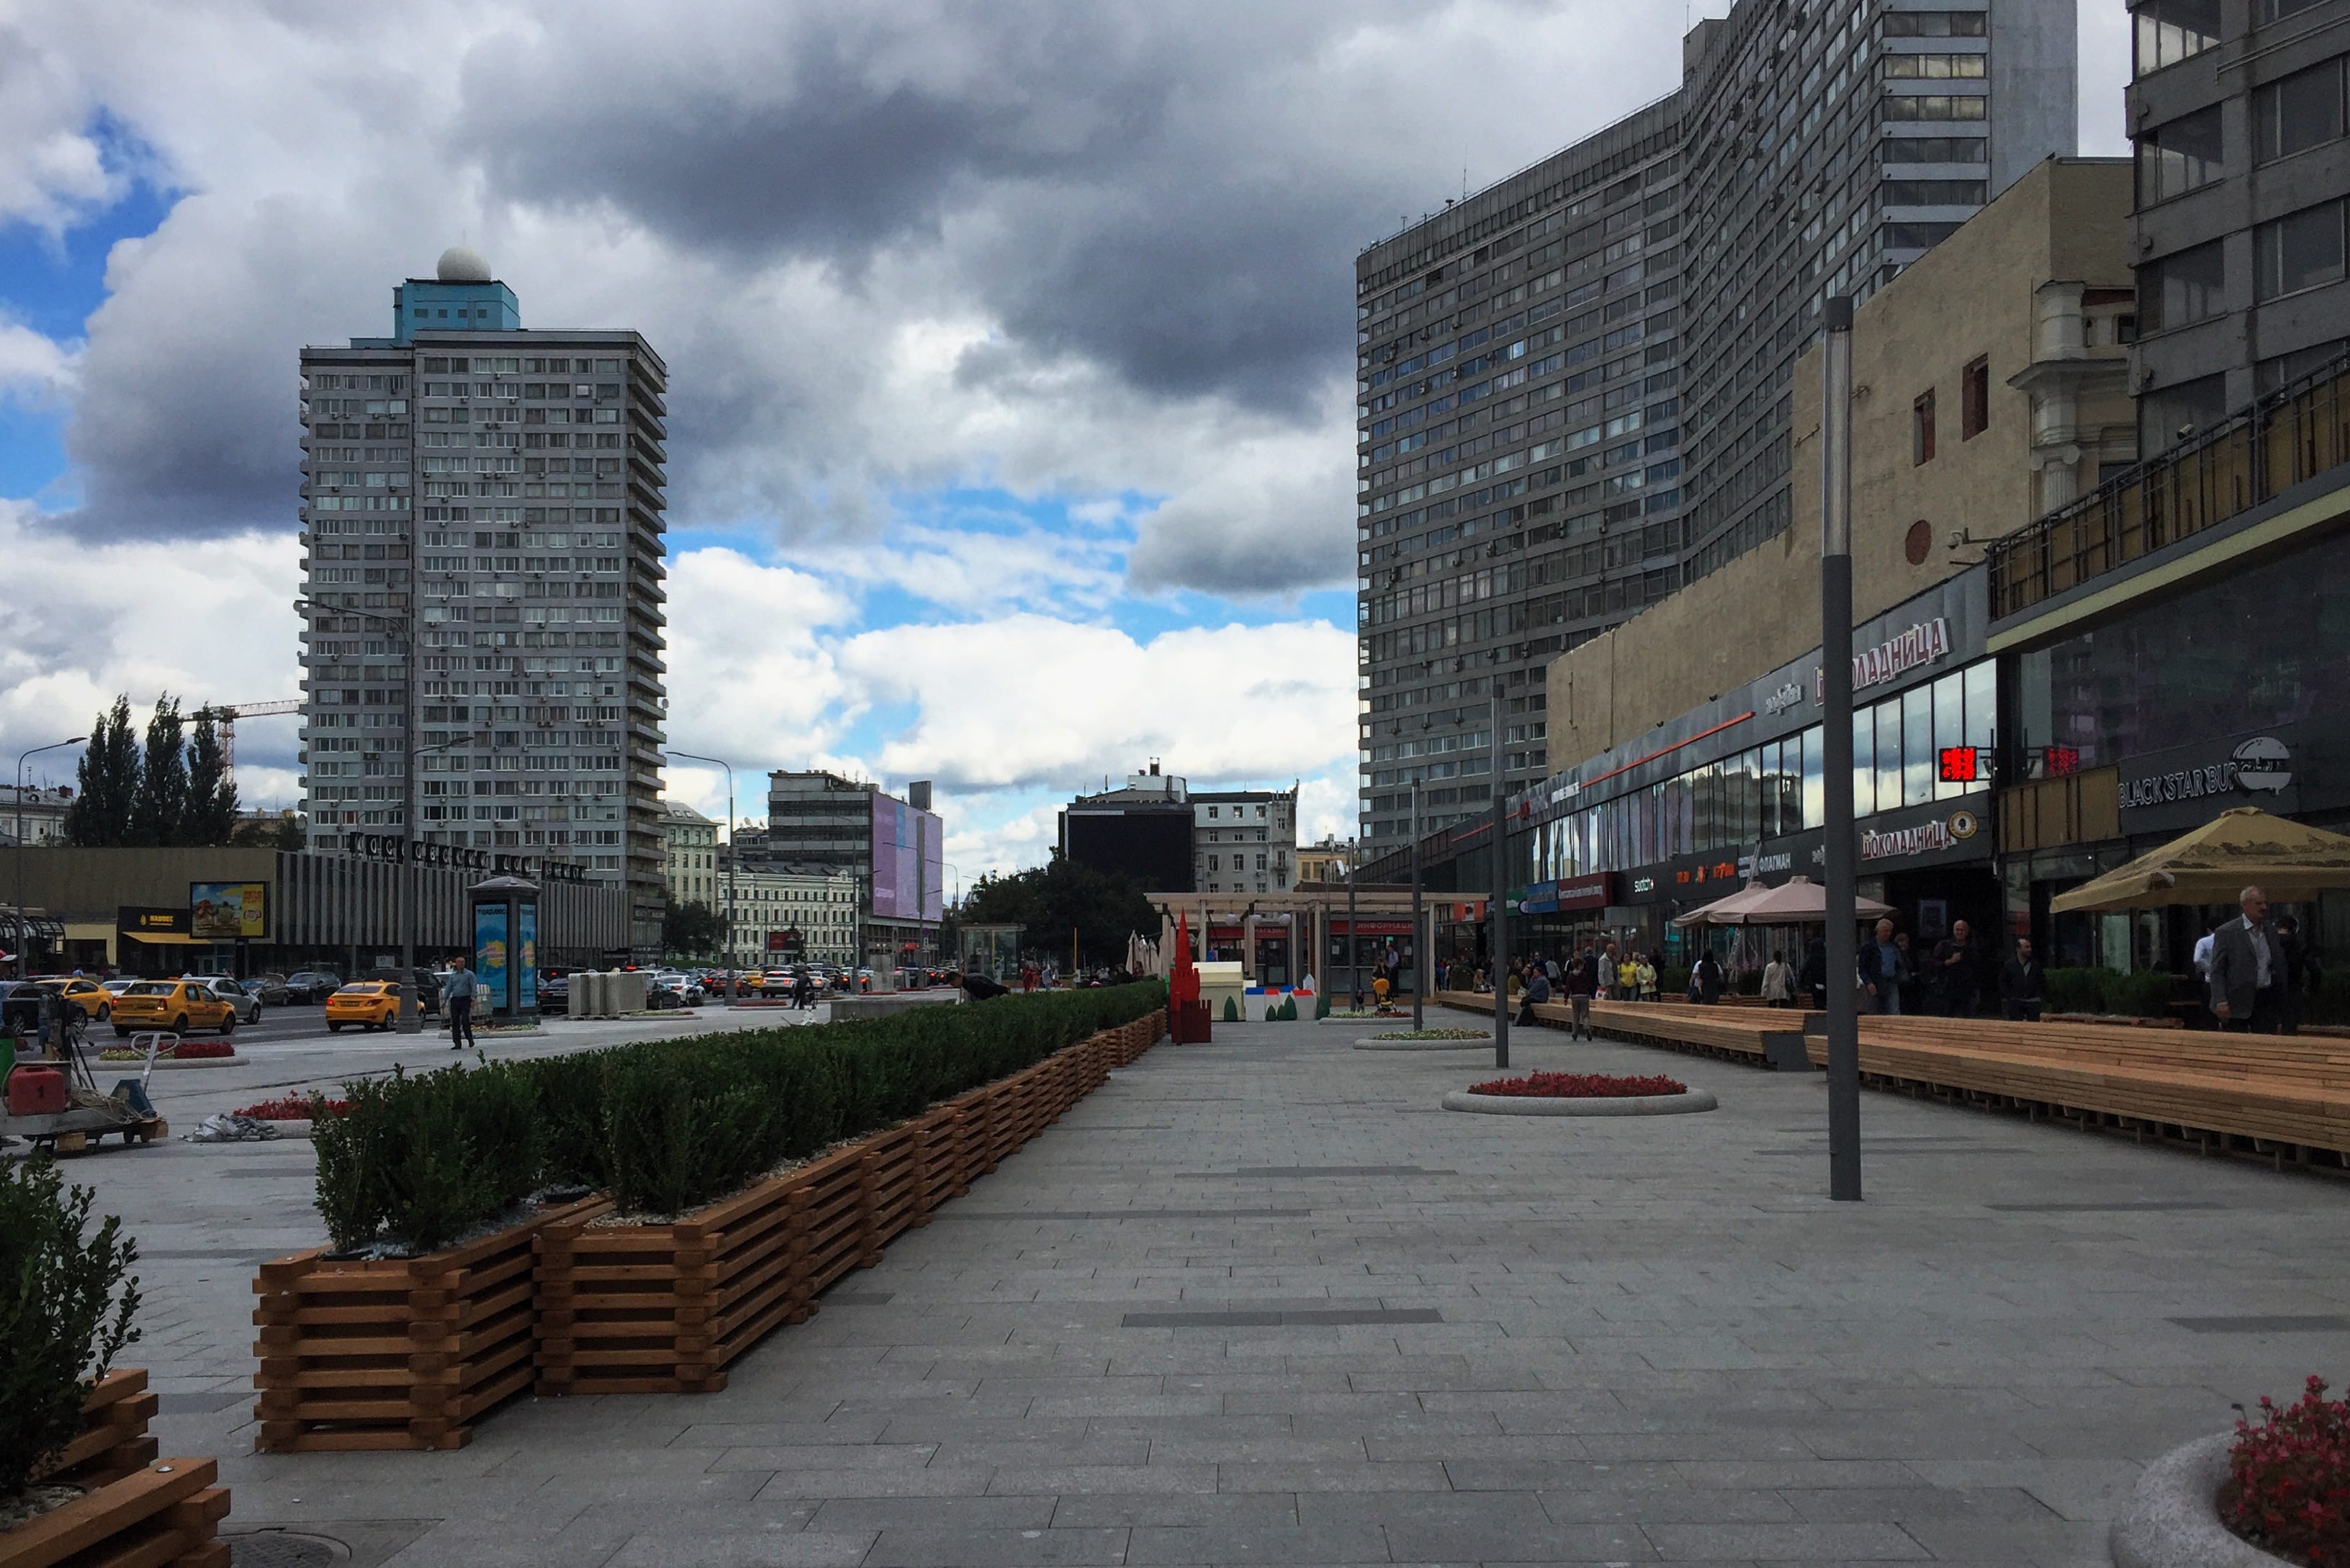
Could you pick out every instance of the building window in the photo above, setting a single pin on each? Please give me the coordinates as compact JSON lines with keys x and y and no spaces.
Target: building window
{"x":2176,"y":157}
{"x":1921,"y":430}
{"x":1974,"y":400}
{"x":2169,"y":31}
{"x":2297,"y":113}
{"x":2300,"y":249}
{"x":2178,"y":289}
{"x":2278,"y":10}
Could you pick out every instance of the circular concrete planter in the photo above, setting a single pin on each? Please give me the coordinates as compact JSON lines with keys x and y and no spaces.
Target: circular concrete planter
{"x":2173,"y":1517}
{"x":1621,"y":1106}
{"x":1480,"y":1043}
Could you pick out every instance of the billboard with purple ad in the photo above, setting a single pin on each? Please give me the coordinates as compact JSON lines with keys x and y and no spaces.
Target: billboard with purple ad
{"x":908,"y":871}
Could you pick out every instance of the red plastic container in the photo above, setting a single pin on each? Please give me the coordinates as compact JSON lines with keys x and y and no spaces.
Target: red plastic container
{"x":36,"y":1092}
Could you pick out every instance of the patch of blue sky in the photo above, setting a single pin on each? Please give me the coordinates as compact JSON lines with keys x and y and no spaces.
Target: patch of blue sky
{"x":33,"y":457}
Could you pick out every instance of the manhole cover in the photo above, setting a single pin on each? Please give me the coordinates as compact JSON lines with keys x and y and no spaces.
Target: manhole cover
{"x":279,"y":1549}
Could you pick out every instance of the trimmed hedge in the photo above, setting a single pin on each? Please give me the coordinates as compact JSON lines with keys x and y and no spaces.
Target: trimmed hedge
{"x":664,"y":1127}
{"x":2144,"y":994}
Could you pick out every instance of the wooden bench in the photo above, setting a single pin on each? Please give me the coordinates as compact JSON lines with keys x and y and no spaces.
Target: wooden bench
{"x":2276,"y":1097}
{"x":1768,"y":1036}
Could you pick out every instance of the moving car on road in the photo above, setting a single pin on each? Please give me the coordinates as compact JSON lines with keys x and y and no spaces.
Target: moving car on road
{"x":232,"y":990}
{"x":312,"y":985}
{"x":269,"y":987}
{"x":369,"y":1003}
{"x":94,"y":999}
{"x":175,"y":1005}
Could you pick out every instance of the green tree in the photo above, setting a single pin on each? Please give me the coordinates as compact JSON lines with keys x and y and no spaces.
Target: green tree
{"x":158,"y":810}
{"x":1049,"y":900}
{"x":690,"y":930}
{"x":210,"y":814}
{"x":107,"y":777}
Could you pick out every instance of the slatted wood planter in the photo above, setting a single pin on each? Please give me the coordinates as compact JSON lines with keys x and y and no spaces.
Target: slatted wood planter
{"x":397,"y":1353}
{"x":139,"y":1510}
{"x":634,"y":1308}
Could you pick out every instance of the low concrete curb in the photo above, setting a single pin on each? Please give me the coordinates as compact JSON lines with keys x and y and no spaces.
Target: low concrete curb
{"x":2173,"y":1518}
{"x":1482,"y":1043}
{"x":1628,"y":1106}
{"x":235,"y":1059}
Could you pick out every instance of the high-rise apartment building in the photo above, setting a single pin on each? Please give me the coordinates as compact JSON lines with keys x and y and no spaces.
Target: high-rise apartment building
{"x":2238,"y":111}
{"x":482,"y":518}
{"x":1571,"y":386}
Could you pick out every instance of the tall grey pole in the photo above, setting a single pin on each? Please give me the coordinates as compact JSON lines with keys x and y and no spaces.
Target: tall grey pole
{"x":412,"y":829}
{"x":1419,"y":958}
{"x":1353,"y":934}
{"x":24,"y":921}
{"x":1501,"y":891}
{"x":1836,"y":717}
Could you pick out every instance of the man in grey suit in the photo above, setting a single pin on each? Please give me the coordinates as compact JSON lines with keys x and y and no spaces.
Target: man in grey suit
{"x":2248,"y":968}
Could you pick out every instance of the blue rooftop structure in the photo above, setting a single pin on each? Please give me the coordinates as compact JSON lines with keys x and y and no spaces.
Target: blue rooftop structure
{"x":462,"y":297}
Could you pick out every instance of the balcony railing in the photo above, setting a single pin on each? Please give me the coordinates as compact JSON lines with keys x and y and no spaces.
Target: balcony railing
{"x":2293,"y":435}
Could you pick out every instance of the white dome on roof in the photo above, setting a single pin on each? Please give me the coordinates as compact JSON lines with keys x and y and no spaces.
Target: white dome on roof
{"x":461,"y":263}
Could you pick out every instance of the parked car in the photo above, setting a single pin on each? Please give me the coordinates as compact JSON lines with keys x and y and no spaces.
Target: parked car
{"x":94,"y":999}
{"x":232,"y":990}
{"x":174,"y":1004}
{"x":20,"y":1008}
{"x":369,"y":1003}
{"x":312,"y":985}
{"x":427,"y":987}
{"x":269,"y":987}
{"x":554,"y":994}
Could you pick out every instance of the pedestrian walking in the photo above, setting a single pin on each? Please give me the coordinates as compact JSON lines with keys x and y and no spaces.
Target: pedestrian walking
{"x":2248,"y":968}
{"x":2019,"y":984}
{"x":1958,"y":980}
{"x":1580,"y":985}
{"x":1644,"y":979}
{"x":1813,"y":979}
{"x":1881,"y":972}
{"x":459,"y":991}
{"x":1778,"y":982}
{"x":1707,"y":978}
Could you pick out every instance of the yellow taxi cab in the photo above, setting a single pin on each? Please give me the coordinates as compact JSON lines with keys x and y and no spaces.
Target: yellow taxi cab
{"x":370,"y":1003}
{"x":94,"y":999}
{"x":174,"y":1004}
{"x":750,"y":983}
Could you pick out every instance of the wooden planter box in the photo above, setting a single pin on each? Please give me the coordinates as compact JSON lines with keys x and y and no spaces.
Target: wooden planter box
{"x":397,"y":1353}
{"x":643,"y":1309}
{"x":140,"y":1510}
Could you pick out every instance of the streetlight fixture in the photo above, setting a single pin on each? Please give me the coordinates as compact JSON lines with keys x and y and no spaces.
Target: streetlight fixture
{"x":410,"y":1020}
{"x":1501,"y":907}
{"x":1419,"y":958}
{"x":732,"y":858}
{"x":23,"y":923}
{"x":1835,"y":721}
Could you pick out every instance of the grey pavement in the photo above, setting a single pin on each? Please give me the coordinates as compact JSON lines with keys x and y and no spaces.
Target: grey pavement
{"x":1262,"y":1301}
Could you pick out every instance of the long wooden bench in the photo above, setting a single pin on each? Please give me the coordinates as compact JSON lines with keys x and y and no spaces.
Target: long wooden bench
{"x":1771,"y":1037}
{"x":2279,"y":1097}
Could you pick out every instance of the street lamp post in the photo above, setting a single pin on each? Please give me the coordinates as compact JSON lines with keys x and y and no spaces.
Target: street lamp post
{"x":1835,"y":719}
{"x":23,"y":923}
{"x":1419,"y":958}
{"x":1501,"y":888}
{"x":1353,"y":936}
{"x":731,"y":859}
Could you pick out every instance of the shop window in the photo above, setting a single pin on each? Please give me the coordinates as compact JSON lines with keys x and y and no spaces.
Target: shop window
{"x":1864,"y":762}
{"x":1974,"y":400}
{"x":1921,"y":430}
{"x":1887,"y":717}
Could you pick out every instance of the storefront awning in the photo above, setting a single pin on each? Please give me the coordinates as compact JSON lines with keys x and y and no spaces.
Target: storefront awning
{"x":2244,"y":847}
{"x":166,"y":938}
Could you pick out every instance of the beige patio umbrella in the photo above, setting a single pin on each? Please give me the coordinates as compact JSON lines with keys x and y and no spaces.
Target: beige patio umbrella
{"x":1801,"y":901}
{"x":1723,"y":911}
{"x":2245,"y":847}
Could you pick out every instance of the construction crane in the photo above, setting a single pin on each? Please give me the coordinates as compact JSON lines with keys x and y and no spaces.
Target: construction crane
{"x":224,"y":715}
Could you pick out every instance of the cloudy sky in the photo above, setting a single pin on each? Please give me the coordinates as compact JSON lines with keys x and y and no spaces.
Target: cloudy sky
{"x":1010,"y":410}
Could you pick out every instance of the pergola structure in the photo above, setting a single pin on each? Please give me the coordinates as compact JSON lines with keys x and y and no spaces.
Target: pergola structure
{"x":1308,"y":914}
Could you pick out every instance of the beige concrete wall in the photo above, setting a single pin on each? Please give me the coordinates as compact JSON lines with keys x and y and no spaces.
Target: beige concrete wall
{"x":1971,"y":295}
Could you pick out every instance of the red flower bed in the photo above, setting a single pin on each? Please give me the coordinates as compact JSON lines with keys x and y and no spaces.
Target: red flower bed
{"x":193,"y":1050}
{"x":2288,"y":1487}
{"x":1580,"y":1086}
{"x":294,"y":1108}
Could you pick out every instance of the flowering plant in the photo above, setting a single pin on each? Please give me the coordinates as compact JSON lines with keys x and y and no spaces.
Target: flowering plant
{"x":2288,"y":1487}
{"x":185,"y":1051}
{"x":1580,"y":1086}
{"x":295,"y":1108}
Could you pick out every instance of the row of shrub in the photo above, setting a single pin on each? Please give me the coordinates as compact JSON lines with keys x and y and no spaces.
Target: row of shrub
{"x":2146,"y":993}
{"x":663,"y":1127}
